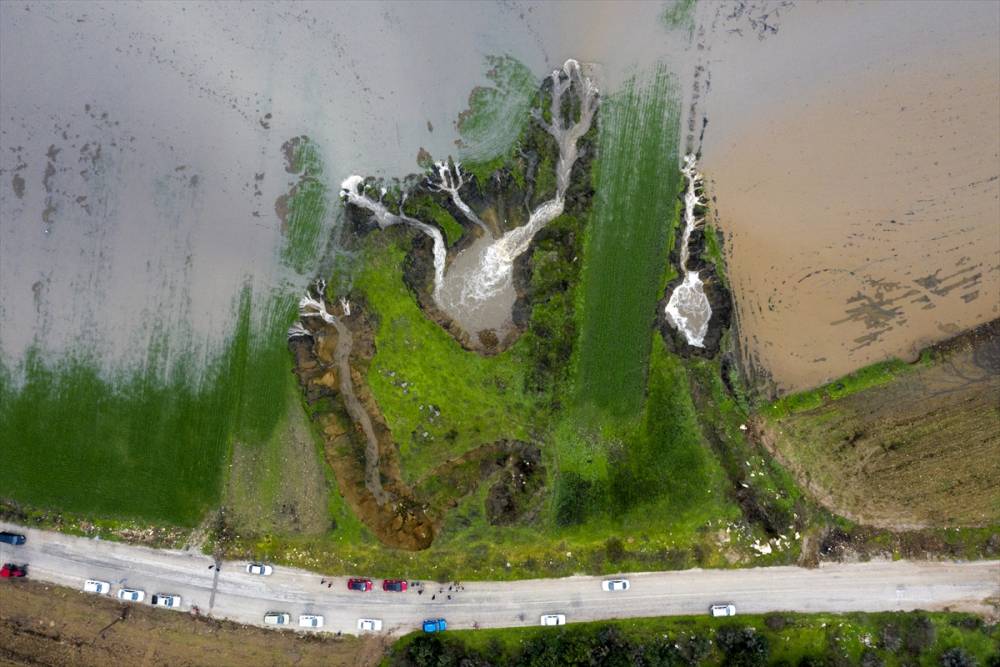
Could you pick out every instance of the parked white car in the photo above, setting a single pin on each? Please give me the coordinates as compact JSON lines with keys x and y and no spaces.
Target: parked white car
{"x":168,"y":601}
{"x":259,"y":568}
{"x":723,"y":610}
{"x":310,"y":621}
{"x":553,"y":619}
{"x":131,"y":595}
{"x":277,"y":618}
{"x":95,"y":586}
{"x":615,"y":584}
{"x":369,"y":624}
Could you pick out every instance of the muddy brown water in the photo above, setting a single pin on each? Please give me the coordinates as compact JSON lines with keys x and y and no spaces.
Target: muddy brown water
{"x":854,"y":169}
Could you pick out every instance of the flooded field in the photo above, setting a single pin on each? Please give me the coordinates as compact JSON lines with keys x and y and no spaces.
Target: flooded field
{"x":855,"y":174}
{"x":161,"y":213}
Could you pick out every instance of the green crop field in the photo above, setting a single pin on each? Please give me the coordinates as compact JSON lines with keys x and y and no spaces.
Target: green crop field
{"x":307,"y":207}
{"x":625,"y":256}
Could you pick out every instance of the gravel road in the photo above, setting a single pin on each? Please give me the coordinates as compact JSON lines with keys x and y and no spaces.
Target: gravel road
{"x":235,"y":595}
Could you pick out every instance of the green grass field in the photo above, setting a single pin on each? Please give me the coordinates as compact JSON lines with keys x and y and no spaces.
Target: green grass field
{"x":626,"y":248}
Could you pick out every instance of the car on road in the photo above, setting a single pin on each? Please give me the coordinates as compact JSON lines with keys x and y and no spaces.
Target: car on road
{"x":131,"y":595}
{"x":394,"y":585}
{"x":363,"y":585}
{"x":310,"y":621}
{"x":11,"y":538}
{"x":168,"y":601}
{"x":259,"y":568}
{"x":553,"y":619}
{"x":96,"y":586}
{"x":12,"y":571}
{"x":435,"y":625}
{"x":615,"y":585}
{"x":369,"y":624}
{"x":723,"y":610}
{"x":277,"y":618}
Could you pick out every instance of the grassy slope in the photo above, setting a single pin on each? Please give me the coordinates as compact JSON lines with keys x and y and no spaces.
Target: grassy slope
{"x":425,"y":382}
{"x":828,"y":638}
{"x":626,"y":246}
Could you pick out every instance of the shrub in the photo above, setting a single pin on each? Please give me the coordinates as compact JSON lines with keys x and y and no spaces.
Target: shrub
{"x":957,"y":657}
{"x":920,"y":635}
{"x":573,"y":498}
{"x":615,"y":550}
{"x":743,"y":647}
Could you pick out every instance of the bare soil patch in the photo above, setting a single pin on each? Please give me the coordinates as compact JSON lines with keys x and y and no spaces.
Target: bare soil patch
{"x":921,"y":451}
{"x":52,"y":625}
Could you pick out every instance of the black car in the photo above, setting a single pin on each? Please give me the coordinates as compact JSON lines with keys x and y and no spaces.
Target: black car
{"x":11,"y":538}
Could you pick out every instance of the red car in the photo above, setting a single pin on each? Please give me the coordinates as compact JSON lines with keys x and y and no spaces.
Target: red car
{"x":10,"y":570}
{"x":395,"y":585}
{"x":363,"y":585}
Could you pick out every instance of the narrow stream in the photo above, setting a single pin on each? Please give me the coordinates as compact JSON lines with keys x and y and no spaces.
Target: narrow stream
{"x":316,"y":307}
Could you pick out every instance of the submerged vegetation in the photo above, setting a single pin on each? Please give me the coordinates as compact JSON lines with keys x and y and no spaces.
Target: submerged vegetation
{"x":151,"y":443}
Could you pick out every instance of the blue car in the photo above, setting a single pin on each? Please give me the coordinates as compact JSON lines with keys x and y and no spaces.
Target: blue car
{"x":11,"y":538}
{"x":435,"y":625}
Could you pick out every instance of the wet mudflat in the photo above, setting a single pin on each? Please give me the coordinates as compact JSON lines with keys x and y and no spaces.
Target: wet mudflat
{"x":854,"y":170}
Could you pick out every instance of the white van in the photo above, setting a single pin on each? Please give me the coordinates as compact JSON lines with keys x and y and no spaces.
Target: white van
{"x":277,"y":618}
{"x":168,"y":601}
{"x":95,"y":586}
{"x":310,"y":621}
{"x":723,"y":610}
{"x":553,"y":619}
{"x":369,"y":624}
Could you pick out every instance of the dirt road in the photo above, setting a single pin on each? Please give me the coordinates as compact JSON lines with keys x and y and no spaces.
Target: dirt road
{"x":235,"y":595}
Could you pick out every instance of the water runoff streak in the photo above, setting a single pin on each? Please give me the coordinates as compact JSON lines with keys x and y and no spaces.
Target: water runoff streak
{"x":688,"y":309}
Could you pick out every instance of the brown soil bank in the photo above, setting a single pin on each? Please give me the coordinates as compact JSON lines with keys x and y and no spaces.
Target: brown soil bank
{"x":921,"y":451}
{"x":389,"y":509}
{"x":52,"y":625}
